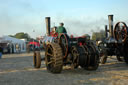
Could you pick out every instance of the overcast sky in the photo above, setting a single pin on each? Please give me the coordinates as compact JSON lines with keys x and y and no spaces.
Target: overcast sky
{"x":80,"y":16}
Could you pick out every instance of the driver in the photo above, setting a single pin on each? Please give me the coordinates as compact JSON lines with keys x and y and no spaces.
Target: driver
{"x":61,"y":29}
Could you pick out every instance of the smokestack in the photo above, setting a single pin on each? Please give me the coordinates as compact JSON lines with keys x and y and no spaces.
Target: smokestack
{"x":106,"y":31}
{"x":47,"y":19}
{"x":110,"y":19}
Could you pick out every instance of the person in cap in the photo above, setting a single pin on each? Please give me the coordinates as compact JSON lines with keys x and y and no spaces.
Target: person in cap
{"x":61,"y":29}
{"x":1,"y":50}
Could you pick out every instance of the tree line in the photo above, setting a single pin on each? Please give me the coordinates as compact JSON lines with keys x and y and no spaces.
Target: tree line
{"x":95,"y":35}
{"x":98,"y":35}
{"x":22,"y":35}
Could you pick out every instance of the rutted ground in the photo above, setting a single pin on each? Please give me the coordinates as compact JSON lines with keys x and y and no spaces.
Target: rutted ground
{"x":17,"y":69}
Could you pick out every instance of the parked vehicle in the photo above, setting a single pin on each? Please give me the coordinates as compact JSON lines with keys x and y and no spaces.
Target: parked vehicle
{"x":116,"y":43}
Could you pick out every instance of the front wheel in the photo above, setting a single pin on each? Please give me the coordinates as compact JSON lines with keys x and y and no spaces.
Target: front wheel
{"x":119,"y":58}
{"x":37,"y":59}
{"x":103,"y":59}
{"x":54,"y":58}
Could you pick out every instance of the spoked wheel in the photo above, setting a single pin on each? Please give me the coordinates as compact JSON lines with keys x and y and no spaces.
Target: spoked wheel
{"x":93,"y":58}
{"x":119,"y":50}
{"x":103,"y":59}
{"x":119,"y":58}
{"x":53,"y":58}
{"x":101,"y":46}
{"x":37,"y":59}
{"x":103,"y":56}
{"x":63,"y":41}
{"x":103,"y":53}
{"x":120,"y":31}
{"x":75,"y":54}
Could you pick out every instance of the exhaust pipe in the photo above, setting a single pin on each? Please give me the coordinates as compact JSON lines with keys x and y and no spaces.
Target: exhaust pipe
{"x":110,"y":19}
{"x":106,"y":31}
{"x":47,"y":19}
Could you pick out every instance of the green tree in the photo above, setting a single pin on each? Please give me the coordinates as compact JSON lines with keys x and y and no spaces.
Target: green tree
{"x":98,"y":35}
{"x":21,"y":35}
{"x":11,"y":35}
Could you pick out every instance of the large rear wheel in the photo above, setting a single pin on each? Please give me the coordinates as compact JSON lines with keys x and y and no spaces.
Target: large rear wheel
{"x":54,"y":58}
{"x":75,"y":59}
{"x":83,"y":59}
{"x":120,"y":31}
{"x":126,"y":53}
{"x":63,"y":41}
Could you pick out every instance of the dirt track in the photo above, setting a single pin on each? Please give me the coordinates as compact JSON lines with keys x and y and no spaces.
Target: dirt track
{"x":17,"y":69}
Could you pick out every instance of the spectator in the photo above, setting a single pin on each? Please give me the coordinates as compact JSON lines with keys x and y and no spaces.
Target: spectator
{"x":1,"y":51}
{"x":17,"y":48}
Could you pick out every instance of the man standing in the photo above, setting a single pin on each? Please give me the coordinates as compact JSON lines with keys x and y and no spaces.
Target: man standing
{"x":61,"y":29}
{"x":1,"y":50}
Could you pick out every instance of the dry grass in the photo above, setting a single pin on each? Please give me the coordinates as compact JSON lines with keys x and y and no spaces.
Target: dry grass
{"x":17,"y":69}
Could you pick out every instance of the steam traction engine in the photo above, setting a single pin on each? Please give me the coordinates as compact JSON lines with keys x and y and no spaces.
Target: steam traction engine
{"x":61,"y":50}
{"x":116,"y":44}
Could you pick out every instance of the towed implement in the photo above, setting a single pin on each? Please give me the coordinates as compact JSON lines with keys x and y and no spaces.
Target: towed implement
{"x":61,"y":50}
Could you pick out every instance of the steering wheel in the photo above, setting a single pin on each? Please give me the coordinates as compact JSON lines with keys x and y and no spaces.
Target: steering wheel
{"x":120,"y":31}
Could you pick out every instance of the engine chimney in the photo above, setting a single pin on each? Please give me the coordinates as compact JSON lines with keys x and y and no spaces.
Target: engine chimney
{"x":106,"y":31}
{"x":47,"y":19}
{"x":110,"y":19}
